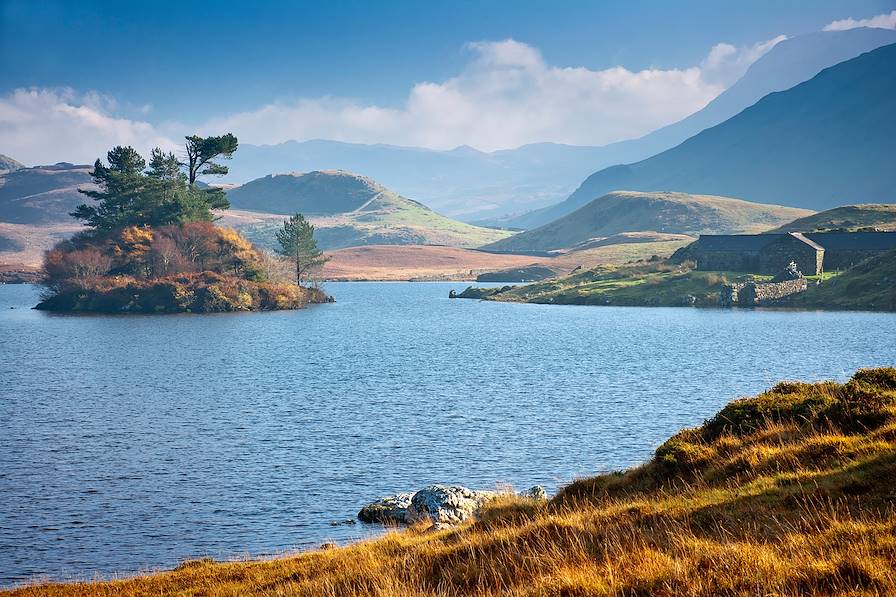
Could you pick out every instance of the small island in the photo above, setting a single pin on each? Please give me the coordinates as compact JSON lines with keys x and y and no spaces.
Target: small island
{"x":151,"y":244}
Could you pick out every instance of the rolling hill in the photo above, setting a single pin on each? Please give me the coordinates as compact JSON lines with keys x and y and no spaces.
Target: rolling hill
{"x":43,"y":194}
{"x":848,"y":217}
{"x":347,"y":210}
{"x":632,"y":211}
{"x":826,"y":142}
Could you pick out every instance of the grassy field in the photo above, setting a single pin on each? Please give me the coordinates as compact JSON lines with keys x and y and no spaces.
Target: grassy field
{"x":655,"y":283}
{"x":787,"y":493}
{"x":870,"y":285}
{"x":414,"y":262}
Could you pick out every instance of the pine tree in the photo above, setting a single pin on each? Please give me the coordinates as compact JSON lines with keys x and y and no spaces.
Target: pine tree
{"x":297,"y":244}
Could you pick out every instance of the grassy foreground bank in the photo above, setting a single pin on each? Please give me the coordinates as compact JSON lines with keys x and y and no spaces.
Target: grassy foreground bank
{"x":787,"y":493}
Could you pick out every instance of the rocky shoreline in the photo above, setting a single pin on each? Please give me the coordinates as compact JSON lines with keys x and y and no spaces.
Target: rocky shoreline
{"x":439,"y":505}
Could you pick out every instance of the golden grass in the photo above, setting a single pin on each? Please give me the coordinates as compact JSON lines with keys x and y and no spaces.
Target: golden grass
{"x":788,"y":493}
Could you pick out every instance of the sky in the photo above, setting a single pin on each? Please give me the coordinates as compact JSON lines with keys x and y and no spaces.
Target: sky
{"x":78,"y":77}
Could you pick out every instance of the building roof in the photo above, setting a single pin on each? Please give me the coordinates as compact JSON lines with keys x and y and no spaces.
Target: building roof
{"x":801,"y":237}
{"x":736,"y":242}
{"x":854,"y":241}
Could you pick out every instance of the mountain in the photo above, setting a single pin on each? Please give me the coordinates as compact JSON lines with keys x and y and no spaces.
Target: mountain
{"x":633,"y":211}
{"x":479,"y":186}
{"x":347,"y":210}
{"x":826,"y":142}
{"x":787,"y":64}
{"x":43,"y":194}
{"x":848,"y":217}
{"x":8,"y":164}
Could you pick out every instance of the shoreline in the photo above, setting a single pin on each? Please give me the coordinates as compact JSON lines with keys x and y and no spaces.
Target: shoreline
{"x":687,"y":487}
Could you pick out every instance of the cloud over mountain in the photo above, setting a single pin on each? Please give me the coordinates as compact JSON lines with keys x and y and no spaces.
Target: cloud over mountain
{"x":508,"y":95}
{"x":882,"y":21}
{"x":505,"y":96}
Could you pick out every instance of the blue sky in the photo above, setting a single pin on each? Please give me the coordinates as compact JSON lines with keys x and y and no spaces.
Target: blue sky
{"x":172,"y":65}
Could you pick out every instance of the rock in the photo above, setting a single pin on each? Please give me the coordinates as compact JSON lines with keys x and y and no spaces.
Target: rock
{"x":446,"y":504}
{"x":536,"y":492}
{"x":347,"y":521}
{"x":791,"y":272}
{"x":388,"y":509}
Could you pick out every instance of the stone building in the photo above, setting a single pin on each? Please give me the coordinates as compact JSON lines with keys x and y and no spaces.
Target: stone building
{"x":757,"y":253}
{"x":842,"y":250}
{"x":771,"y":253}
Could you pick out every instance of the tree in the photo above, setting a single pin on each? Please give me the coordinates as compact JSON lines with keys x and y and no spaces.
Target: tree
{"x":161,"y":195}
{"x":202,"y":150}
{"x":121,"y":186}
{"x":297,"y":244}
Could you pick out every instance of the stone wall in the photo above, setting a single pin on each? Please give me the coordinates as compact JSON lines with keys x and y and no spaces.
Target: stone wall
{"x":755,"y":294}
{"x":776,"y":256}
{"x":728,"y":261}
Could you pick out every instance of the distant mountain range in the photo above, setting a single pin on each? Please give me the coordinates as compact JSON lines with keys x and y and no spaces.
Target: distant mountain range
{"x":628,"y":211}
{"x":828,"y":141}
{"x":347,"y":210}
{"x":479,"y":186}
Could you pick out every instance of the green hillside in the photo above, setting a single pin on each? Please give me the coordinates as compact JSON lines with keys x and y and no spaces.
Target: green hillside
{"x":348,"y":210}
{"x":848,"y":218}
{"x":869,"y":286}
{"x":666,"y":212}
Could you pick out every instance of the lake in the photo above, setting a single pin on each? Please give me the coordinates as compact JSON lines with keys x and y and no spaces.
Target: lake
{"x":130,"y":443}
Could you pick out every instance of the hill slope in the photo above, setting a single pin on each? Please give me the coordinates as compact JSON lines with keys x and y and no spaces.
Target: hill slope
{"x":826,"y":142}
{"x":789,"y":63}
{"x":8,"y":164}
{"x":43,"y":194}
{"x":631,"y":211}
{"x":869,"y":286}
{"x":848,"y":217}
{"x":786,"y":493}
{"x":347,"y":210}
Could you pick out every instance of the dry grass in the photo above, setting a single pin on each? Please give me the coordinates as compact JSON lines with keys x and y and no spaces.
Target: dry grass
{"x":788,"y":493}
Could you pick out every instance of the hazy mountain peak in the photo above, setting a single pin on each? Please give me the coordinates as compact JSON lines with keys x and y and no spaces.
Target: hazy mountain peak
{"x":8,"y":164}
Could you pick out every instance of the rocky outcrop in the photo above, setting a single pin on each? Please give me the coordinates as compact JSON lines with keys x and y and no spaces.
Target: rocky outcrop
{"x":439,"y":505}
{"x":446,"y":504}
{"x":388,"y":509}
{"x":473,"y":292}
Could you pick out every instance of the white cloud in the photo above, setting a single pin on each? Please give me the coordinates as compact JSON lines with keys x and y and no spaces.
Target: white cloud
{"x":884,"y":21}
{"x":39,"y":126}
{"x":505,"y":96}
{"x":725,"y":64}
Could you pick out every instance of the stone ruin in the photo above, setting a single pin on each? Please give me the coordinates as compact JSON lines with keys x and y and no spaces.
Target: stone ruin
{"x":755,"y":294}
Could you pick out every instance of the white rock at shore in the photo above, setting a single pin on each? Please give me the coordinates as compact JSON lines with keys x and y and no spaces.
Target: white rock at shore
{"x":439,"y":504}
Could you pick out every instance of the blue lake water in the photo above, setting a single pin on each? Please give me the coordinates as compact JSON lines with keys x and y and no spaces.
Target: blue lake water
{"x":130,"y":443}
